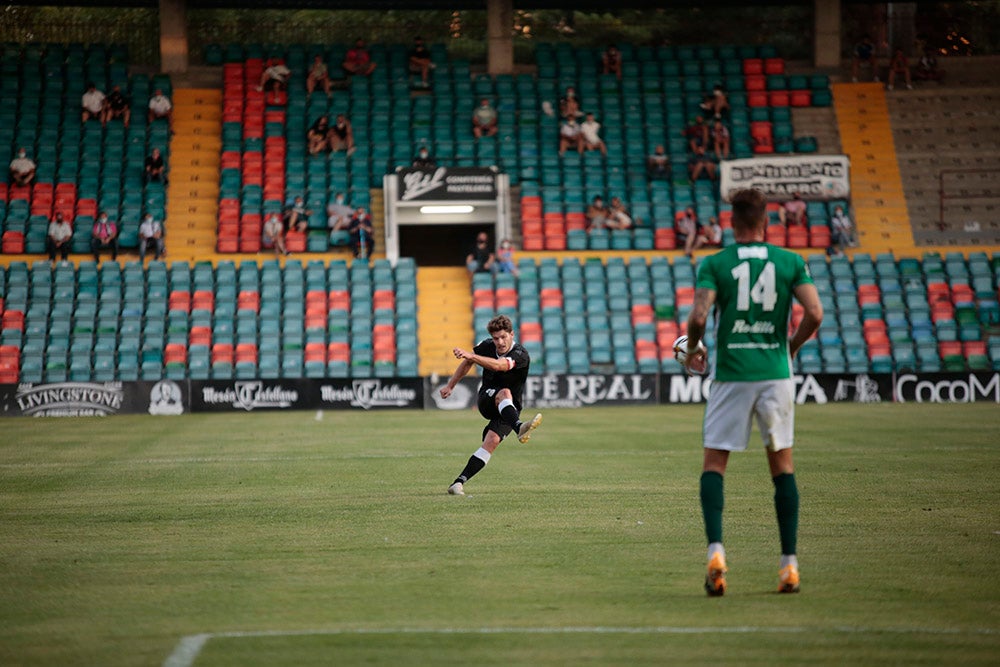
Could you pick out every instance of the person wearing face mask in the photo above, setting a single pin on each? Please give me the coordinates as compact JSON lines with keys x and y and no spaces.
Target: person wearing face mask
{"x":338,"y":220}
{"x":104,"y":237}
{"x":480,"y":258}
{"x":362,"y":234}
{"x":424,"y":160}
{"x":59,"y":239}
{"x":150,"y":234}
{"x":22,"y":168}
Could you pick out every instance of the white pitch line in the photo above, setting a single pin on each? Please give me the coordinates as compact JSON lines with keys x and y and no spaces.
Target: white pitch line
{"x":187,"y":650}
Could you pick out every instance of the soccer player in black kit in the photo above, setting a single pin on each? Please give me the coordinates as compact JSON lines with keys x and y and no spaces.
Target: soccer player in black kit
{"x":505,"y":367}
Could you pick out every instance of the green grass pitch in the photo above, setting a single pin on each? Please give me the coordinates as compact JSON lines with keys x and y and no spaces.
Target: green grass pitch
{"x":290,"y":539}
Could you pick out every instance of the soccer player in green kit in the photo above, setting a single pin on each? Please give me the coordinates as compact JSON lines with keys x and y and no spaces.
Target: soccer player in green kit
{"x":751,"y":285}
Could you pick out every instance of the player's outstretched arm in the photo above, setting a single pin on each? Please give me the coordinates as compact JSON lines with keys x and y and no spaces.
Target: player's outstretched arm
{"x":808,"y":296}
{"x":500,"y":365}
{"x":463,"y":369}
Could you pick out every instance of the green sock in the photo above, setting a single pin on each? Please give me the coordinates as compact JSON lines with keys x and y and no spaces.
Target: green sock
{"x":711,"y":505}
{"x":786,"y":504}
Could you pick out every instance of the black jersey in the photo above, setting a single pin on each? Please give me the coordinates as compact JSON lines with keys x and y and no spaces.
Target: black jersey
{"x":512,"y":379}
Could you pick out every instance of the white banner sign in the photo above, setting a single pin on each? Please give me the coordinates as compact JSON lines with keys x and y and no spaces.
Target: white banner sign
{"x":814,"y":177}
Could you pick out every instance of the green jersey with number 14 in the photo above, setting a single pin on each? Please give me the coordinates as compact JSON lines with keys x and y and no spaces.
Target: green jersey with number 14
{"x":753,"y":284}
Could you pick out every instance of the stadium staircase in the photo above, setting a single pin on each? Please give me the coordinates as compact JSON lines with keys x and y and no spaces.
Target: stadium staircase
{"x":194,"y":174}
{"x":444,"y":317}
{"x":880,"y":211}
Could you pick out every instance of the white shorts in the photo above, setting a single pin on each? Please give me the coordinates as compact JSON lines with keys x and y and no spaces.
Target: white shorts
{"x":732,"y":406}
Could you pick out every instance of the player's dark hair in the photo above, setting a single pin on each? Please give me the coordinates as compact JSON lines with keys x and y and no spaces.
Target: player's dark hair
{"x":749,"y":209}
{"x":500,"y":323}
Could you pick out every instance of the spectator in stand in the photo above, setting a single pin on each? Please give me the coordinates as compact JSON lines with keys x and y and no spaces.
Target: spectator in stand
{"x":484,"y":120}
{"x":59,"y":238}
{"x":155,"y":167}
{"x":618,"y":217}
{"x":480,"y":258}
{"x":696,"y":134}
{"x":720,"y":140}
{"x":274,"y":234}
{"x":161,"y":107}
{"x":505,"y":258}
{"x":296,"y":216}
{"x":362,"y":236}
{"x":611,"y":61}
{"x":899,"y":66}
{"x":150,"y":236}
{"x":420,"y":61}
{"x":22,"y":168}
{"x":274,"y":78}
{"x":700,"y":163}
{"x":719,"y":102}
{"x":104,"y":237}
{"x":841,"y":232}
{"x":94,"y":104}
{"x":686,"y":229}
{"x":357,"y":61}
{"x":319,"y":74}
{"x":864,"y":54}
{"x":570,"y":105}
{"x":590,"y":131}
{"x":118,"y":106}
{"x":338,"y":220}
{"x":709,"y":234}
{"x":927,"y":67}
{"x":570,"y":136}
{"x":342,"y":135}
{"x":597,"y":214}
{"x":658,"y":164}
{"x":424,"y":159}
{"x":793,"y":211}
{"x":318,"y":136}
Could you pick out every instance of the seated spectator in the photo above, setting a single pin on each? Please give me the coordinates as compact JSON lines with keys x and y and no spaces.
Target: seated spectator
{"x":611,"y":61}
{"x":793,"y":211}
{"x":420,"y":61}
{"x":484,"y":120}
{"x":700,"y":163}
{"x":22,"y":168}
{"x":357,"y":61}
{"x":505,"y":258}
{"x":319,"y":74}
{"x":274,"y":234}
{"x":720,"y":102}
{"x":899,"y":66}
{"x":597,"y":214}
{"x":618,"y":216}
{"x":686,"y":229}
{"x":570,"y":136}
{"x":362,"y":237}
{"x":296,"y":216}
{"x":927,"y":67}
{"x":342,"y":135}
{"x":161,"y":107}
{"x":338,"y":220}
{"x":864,"y":54}
{"x":841,"y":232}
{"x":103,"y":237}
{"x":590,"y":131}
{"x":94,"y":104}
{"x":59,"y":238}
{"x":150,"y":236}
{"x":424,"y":159}
{"x":696,"y":133}
{"x":709,"y":234}
{"x":658,"y":164}
{"x":720,"y":140}
{"x":480,"y":258}
{"x":155,"y":169}
{"x":118,"y":106}
{"x":318,"y":136}
{"x":570,"y":105}
{"x":274,"y":78}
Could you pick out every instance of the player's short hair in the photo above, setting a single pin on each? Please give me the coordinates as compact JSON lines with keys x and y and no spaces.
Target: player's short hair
{"x":500,"y":323}
{"x":749,"y":209}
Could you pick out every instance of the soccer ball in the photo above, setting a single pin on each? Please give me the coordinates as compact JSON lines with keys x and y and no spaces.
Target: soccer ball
{"x":700,"y":366}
